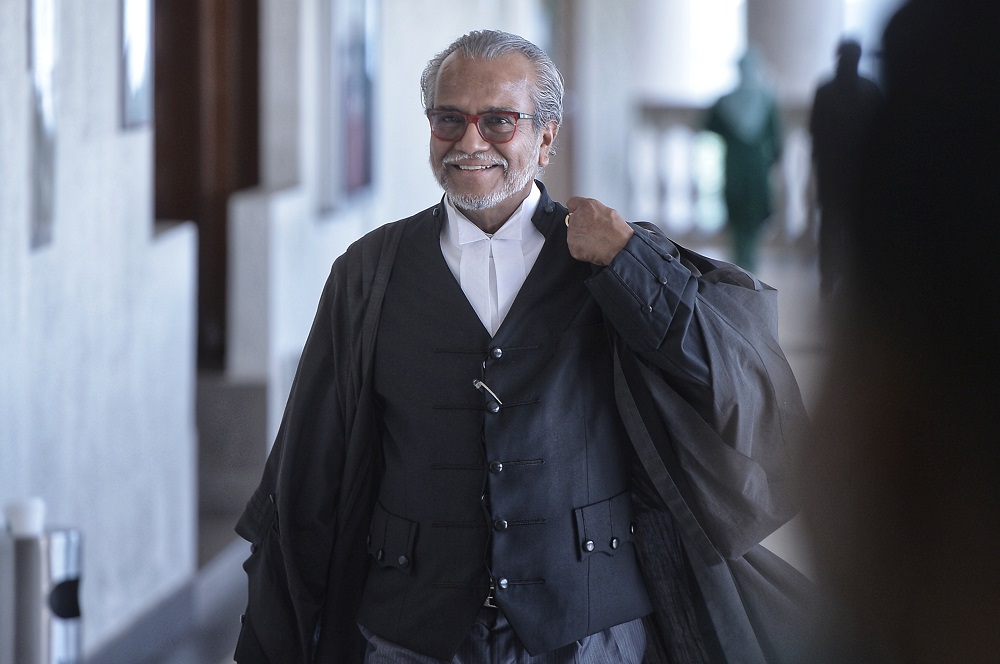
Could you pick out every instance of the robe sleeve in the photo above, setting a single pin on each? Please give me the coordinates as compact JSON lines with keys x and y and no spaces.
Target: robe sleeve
{"x":291,"y":518}
{"x":708,"y":397}
{"x":305,"y":572}
{"x":650,"y":295}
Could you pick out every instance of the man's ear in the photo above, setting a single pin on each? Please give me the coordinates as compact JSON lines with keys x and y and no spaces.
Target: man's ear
{"x":548,"y":136}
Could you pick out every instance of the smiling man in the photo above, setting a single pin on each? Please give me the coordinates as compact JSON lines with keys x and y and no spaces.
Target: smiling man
{"x":486,"y":167}
{"x":455,"y":477}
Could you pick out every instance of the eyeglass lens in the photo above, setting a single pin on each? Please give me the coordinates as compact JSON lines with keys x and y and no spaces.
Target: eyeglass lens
{"x":493,"y":127}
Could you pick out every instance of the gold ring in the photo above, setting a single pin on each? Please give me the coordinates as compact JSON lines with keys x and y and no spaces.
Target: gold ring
{"x":567,"y":220}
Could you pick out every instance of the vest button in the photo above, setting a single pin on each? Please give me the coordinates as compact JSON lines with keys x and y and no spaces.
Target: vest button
{"x":494,"y":407}
{"x":496,"y":466}
{"x":500,"y":524}
{"x":614,"y":542}
{"x":497,"y":353}
{"x":403,"y":561}
{"x":380,"y":555}
{"x":588,"y":546}
{"x":502,"y":583}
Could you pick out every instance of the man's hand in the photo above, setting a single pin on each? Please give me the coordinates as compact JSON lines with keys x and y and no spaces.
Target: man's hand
{"x":595,"y":233}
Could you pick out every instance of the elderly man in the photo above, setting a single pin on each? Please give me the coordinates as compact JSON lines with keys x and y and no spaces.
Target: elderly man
{"x":499,"y":397}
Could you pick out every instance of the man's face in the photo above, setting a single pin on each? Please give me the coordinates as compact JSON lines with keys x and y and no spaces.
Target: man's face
{"x":488,"y":181}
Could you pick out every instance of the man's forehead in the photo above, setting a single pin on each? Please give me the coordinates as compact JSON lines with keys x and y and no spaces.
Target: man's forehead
{"x":514,"y":65}
{"x":510,"y":74}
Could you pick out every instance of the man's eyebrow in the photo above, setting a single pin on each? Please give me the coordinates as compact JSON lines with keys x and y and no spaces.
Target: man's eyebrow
{"x":491,"y":109}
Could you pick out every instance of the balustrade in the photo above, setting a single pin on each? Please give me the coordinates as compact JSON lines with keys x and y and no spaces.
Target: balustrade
{"x":677,"y":177}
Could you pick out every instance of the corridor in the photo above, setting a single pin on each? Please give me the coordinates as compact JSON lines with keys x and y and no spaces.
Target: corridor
{"x":159,"y":271}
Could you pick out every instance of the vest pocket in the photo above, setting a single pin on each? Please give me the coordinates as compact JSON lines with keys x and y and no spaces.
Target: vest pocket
{"x":603,"y":527}
{"x":391,"y":540}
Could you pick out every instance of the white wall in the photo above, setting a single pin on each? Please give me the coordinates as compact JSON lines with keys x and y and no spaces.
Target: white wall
{"x":96,"y":330}
{"x":601,"y":81}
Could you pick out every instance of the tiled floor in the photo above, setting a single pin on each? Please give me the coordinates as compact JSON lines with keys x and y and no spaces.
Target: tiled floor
{"x":198,"y":624}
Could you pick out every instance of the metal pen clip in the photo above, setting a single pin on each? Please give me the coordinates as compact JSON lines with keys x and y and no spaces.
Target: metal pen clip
{"x":491,"y":598}
{"x":480,"y":385}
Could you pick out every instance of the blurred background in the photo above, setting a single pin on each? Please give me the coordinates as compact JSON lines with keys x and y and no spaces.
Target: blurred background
{"x":177,"y":176}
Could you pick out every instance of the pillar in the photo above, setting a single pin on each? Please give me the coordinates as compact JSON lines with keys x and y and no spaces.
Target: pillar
{"x":797,"y":40}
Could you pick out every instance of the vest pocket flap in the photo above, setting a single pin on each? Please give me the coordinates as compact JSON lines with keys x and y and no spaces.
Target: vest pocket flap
{"x":391,"y":539}
{"x":603,"y":527}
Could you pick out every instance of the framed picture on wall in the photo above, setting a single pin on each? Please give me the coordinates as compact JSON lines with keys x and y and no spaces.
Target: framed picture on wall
{"x":346,"y":112}
{"x":136,"y":63}
{"x":356,"y":50}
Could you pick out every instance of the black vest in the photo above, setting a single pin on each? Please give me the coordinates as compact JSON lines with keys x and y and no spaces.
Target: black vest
{"x":522,"y":482}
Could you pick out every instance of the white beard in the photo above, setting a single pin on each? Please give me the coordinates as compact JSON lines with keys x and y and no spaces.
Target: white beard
{"x":513,"y":182}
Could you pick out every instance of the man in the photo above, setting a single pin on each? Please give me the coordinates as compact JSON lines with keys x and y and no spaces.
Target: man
{"x":842,"y":113}
{"x":748,"y":122}
{"x":456,"y":478}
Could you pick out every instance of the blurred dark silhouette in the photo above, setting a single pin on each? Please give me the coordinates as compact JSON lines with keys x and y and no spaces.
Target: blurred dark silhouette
{"x":747,"y":120}
{"x":842,"y":113}
{"x":904,"y":496}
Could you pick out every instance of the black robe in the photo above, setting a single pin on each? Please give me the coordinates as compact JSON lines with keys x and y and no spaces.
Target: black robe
{"x":719,"y":467}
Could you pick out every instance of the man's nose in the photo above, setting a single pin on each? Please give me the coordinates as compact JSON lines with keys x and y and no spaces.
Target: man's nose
{"x":472,"y":140}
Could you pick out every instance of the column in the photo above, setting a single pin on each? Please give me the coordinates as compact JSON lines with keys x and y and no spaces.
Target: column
{"x":797,"y":40}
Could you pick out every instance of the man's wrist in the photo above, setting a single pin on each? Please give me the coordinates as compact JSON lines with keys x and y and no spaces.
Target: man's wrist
{"x":623,"y":234}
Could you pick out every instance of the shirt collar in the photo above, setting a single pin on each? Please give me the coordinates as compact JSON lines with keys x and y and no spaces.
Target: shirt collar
{"x":462,"y":231}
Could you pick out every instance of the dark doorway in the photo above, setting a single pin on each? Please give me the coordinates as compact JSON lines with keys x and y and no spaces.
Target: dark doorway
{"x":206,"y":135}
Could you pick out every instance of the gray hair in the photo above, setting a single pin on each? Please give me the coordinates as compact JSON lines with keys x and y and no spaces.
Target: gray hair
{"x":492,"y":44}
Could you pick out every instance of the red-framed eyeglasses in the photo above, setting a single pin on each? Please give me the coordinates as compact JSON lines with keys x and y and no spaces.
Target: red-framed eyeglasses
{"x":495,"y":126}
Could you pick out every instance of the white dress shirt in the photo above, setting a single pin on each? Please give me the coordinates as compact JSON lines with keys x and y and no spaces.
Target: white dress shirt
{"x":492,"y":268}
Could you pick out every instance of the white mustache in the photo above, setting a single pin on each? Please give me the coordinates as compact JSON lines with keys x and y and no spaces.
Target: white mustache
{"x":450,"y":160}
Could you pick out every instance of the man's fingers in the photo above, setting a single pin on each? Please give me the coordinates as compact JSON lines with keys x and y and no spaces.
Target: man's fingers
{"x":579,"y":203}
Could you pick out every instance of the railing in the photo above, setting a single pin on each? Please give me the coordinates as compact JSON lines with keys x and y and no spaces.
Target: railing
{"x":677,"y":176}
